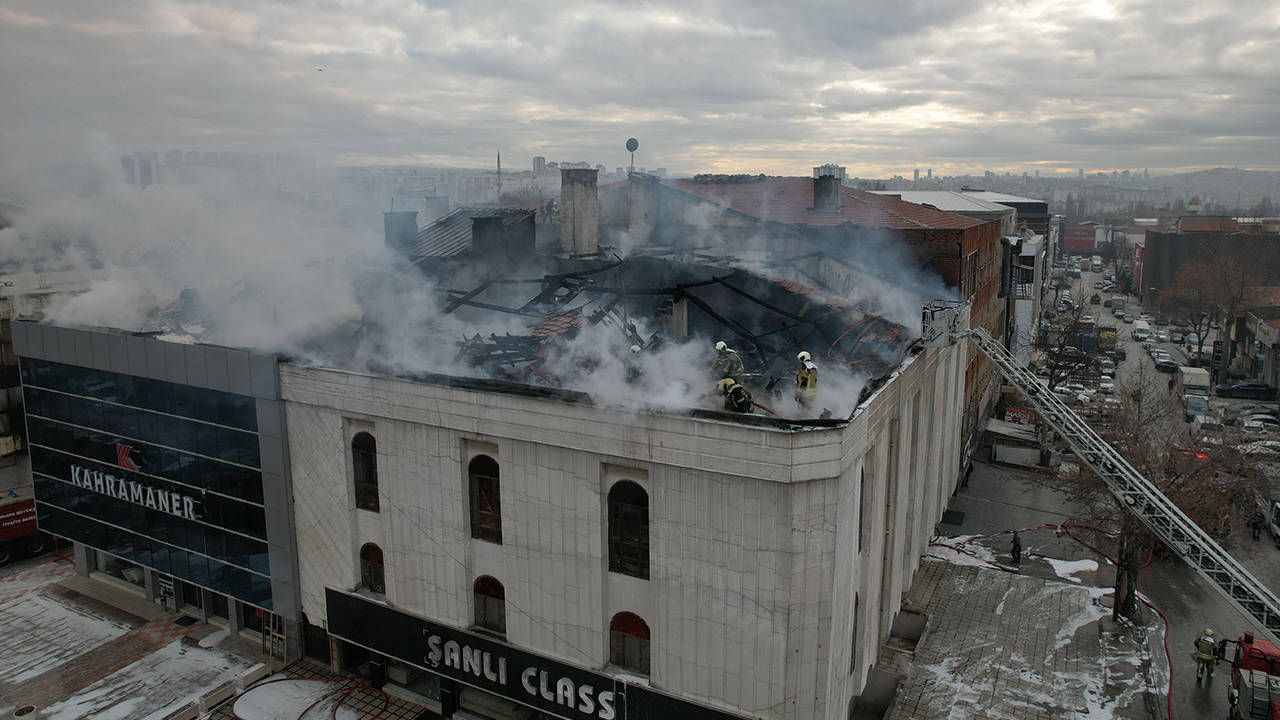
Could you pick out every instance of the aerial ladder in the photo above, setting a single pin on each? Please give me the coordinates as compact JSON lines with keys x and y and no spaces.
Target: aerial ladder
{"x":947,"y":323}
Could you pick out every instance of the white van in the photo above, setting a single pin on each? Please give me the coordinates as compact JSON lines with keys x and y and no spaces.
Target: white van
{"x":1141,"y":330}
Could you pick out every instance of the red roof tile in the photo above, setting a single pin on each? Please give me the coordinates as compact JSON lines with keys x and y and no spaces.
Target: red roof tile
{"x":558,"y":324}
{"x":790,"y":200}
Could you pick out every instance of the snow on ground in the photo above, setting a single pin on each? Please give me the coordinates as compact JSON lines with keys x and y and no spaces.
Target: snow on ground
{"x":1067,"y":569}
{"x":152,"y":687}
{"x":960,"y":550}
{"x":33,"y":577}
{"x":282,"y":698}
{"x":214,"y":638}
{"x":39,"y":633}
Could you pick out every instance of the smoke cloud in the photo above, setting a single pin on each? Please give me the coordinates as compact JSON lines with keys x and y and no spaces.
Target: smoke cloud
{"x":226,"y":262}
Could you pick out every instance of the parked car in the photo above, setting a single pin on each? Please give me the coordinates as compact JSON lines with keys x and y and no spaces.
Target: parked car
{"x":1162,"y":336}
{"x":1254,"y":429}
{"x":1128,"y":319}
{"x":1119,"y":353}
{"x":1176,"y":337}
{"x":1086,"y":320}
{"x":1162,"y":320}
{"x":1179,"y":323}
{"x":1077,"y":388}
{"x":1191,"y":339}
{"x":1167,"y":366}
{"x":1106,"y":303}
{"x":1105,"y":385}
{"x":1269,"y":449}
{"x":1251,"y":390}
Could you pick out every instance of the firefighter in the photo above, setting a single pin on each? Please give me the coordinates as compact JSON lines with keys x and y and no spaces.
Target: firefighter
{"x":727,"y":363}
{"x":632,"y":365}
{"x":736,"y":397}
{"x":1206,"y":654}
{"x":806,"y":379}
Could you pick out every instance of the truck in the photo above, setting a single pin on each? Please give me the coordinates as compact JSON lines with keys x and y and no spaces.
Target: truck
{"x":1254,"y":692}
{"x":19,"y":536}
{"x":1117,"y":303}
{"x":1193,"y":381}
{"x":1107,"y":338}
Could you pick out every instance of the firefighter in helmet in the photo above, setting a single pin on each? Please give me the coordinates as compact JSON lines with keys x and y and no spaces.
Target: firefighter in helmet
{"x":1206,"y":654}
{"x":727,"y":363}
{"x":806,"y":379}
{"x":736,"y":397}
{"x":632,"y":365}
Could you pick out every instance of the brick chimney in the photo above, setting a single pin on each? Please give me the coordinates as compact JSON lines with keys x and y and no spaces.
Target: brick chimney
{"x":400,"y":230}
{"x":579,"y":212}
{"x":826,"y":193}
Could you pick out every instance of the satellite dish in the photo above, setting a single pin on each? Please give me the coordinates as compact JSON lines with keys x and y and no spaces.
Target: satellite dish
{"x":632,"y":144}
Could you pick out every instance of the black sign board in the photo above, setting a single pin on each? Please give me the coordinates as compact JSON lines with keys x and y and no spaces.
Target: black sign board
{"x":1217,"y":354}
{"x":551,"y":686}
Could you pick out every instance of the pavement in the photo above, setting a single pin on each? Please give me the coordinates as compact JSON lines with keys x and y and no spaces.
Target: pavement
{"x":1033,"y":640}
{"x":77,"y":648}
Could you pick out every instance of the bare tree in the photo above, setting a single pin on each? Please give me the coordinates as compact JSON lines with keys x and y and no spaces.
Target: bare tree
{"x":1205,"y":478}
{"x":1204,"y":291}
{"x":1068,"y":345}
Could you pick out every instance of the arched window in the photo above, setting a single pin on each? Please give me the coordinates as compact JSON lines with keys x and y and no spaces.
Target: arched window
{"x":486,"y":506}
{"x":364,"y":462}
{"x":371,"y":568}
{"x":629,"y":529}
{"x":629,"y":643}
{"x":491,"y":605}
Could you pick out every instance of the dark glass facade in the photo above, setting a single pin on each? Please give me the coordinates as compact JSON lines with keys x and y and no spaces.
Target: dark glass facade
{"x":162,"y":474}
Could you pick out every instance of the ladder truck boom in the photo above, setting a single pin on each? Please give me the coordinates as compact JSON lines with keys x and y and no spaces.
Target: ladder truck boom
{"x":947,"y":323}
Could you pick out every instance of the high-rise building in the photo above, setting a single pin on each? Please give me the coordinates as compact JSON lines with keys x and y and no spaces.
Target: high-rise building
{"x":1081,"y":173}
{"x":838,"y":171}
{"x":915,"y":177}
{"x":539,"y":163}
{"x":929,"y":174}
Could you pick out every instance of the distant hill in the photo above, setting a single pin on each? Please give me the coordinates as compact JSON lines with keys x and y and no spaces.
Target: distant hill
{"x":1226,"y":186}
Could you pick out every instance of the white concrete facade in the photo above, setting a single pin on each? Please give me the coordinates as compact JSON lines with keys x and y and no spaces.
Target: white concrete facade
{"x":760,"y":538}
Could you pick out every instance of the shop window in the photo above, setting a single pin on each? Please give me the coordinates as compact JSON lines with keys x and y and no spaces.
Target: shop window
{"x":364,"y":462}
{"x":629,"y":643}
{"x":491,"y":605}
{"x":371,"y":577}
{"x":629,"y":529}
{"x":486,"y":506}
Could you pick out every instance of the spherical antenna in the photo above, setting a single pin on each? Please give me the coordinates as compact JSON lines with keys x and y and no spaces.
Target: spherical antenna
{"x":632,"y":144}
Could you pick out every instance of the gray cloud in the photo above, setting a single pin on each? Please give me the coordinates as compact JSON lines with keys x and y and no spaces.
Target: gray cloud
{"x":881,"y":86}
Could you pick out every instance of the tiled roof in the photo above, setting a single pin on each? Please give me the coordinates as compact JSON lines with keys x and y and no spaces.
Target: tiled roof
{"x":558,"y":324}
{"x":1262,"y":296}
{"x":451,"y":234}
{"x":790,"y":200}
{"x":1206,"y":223}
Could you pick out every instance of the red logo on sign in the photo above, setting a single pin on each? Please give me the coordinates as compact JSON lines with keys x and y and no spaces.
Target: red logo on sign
{"x":124,"y":457}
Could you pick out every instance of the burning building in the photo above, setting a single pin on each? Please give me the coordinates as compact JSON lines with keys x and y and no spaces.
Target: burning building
{"x":532,"y":499}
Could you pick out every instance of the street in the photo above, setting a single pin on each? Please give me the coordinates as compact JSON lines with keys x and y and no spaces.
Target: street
{"x":1190,"y":602}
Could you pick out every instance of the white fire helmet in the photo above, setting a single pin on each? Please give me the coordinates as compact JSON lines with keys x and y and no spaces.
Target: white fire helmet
{"x":635,"y":349}
{"x":722,"y":346}
{"x":804,"y":356}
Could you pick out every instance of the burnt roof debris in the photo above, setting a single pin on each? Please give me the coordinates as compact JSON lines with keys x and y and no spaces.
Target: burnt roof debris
{"x":765,"y":316}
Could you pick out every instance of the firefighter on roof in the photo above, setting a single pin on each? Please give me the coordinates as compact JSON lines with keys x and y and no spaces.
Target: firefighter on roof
{"x":632,"y":365}
{"x":727,"y":363}
{"x":736,"y":397}
{"x":806,"y":379}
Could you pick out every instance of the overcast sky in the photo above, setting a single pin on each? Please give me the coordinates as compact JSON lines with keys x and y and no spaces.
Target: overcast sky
{"x":882,"y":86}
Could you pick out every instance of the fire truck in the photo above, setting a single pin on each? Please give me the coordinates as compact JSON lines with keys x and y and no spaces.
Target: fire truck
{"x":1255,"y":681}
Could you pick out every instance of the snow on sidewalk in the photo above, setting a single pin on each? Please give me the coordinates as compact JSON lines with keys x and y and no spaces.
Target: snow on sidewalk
{"x":152,"y":687}
{"x":40,"y":632}
{"x":283,"y":698}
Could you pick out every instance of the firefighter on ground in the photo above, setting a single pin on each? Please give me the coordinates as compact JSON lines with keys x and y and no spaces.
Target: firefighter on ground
{"x":727,"y":363}
{"x":806,"y":379}
{"x":1206,"y":654}
{"x":736,"y":397}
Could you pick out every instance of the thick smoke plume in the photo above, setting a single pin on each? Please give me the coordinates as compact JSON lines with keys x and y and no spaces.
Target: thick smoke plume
{"x":223,"y":262}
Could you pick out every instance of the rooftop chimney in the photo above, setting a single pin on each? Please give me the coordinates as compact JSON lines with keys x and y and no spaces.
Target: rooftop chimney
{"x":400,"y":229}
{"x":826,"y":193}
{"x":579,"y":212}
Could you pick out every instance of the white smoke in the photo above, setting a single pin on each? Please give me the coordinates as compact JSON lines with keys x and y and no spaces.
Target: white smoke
{"x":308,"y":282}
